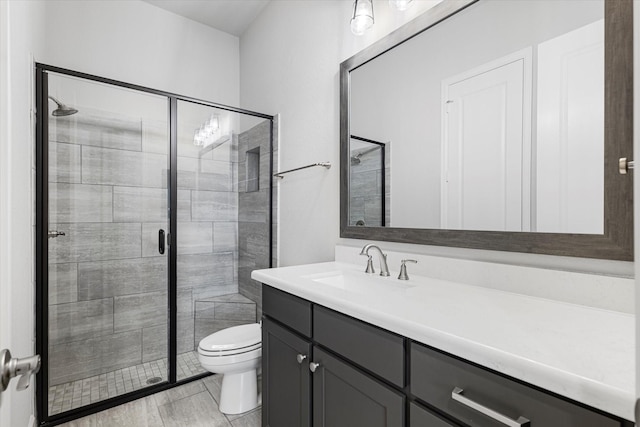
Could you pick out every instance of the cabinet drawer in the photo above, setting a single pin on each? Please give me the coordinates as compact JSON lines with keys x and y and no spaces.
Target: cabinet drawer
{"x":420,"y":417}
{"x":379,"y":351}
{"x":288,"y":309}
{"x":435,"y":375}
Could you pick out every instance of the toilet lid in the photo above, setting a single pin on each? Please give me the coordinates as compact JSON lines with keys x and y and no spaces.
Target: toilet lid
{"x":235,"y":337}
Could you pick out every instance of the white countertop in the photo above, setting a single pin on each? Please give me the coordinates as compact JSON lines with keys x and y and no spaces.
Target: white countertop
{"x":583,"y":353}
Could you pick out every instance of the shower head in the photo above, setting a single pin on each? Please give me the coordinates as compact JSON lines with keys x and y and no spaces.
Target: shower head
{"x":62,"y":110}
{"x":355,"y":159}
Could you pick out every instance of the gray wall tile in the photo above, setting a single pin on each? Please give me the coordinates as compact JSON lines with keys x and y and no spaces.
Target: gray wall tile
{"x":94,"y":242}
{"x":209,"y":291}
{"x":205,"y":309}
{"x":225,"y":236}
{"x":148,"y":309}
{"x":254,"y":206}
{"x":80,"y":320}
{"x":195,"y":237}
{"x":104,"y":130}
{"x":155,"y":137}
{"x":226,"y":308}
{"x":202,"y":174}
{"x":140,"y":311}
{"x":121,"y":277}
{"x":253,"y":240}
{"x":214,"y":206}
{"x":237,"y":298}
{"x":235,"y":311}
{"x":126,"y":168}
{"x":64,"y":163}
{"x":63,"y":283}
{"x":80,"y":203}
{"x":154,"y":343}
{"x":184,"y":205}
{"x":94,"y":356}
{"x":205,"y":270}
{"x":186,"y":327}
{"x":136,"y":204}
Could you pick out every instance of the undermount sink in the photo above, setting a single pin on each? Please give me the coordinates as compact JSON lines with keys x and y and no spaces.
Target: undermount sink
{"x":355,"y":280}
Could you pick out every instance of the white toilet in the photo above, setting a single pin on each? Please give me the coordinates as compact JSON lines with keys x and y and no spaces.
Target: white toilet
{"x":236,"y":353}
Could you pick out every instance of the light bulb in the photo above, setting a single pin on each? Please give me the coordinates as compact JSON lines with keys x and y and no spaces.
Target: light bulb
{"x":362,"y":17}
{"x":400,"y":4}
{"x":214,"y":122}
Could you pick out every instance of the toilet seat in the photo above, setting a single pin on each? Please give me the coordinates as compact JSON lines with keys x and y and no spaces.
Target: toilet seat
{"x":232,"y":341}
{"x":218,"y":353}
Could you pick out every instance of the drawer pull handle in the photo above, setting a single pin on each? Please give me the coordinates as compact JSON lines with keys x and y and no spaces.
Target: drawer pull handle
{"x":313,"y":366}
{"x":456,"y":395}
{"x":300,"y":358}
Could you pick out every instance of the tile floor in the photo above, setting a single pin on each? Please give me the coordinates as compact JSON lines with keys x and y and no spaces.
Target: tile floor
{"x":191,"y":405}
{"x":75,"y":394}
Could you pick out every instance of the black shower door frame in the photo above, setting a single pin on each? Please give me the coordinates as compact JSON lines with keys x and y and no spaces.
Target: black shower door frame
{"x":41,"y":239}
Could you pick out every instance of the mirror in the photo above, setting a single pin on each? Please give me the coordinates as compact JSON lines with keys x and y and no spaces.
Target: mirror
{"x":494,"y":125}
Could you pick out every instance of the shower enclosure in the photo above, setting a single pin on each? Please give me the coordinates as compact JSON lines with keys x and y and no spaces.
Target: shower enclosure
{"x":152,"y":210}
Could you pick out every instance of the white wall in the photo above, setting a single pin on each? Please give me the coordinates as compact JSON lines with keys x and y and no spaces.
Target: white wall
{"x":289,"y":64}
{"x":289,"y":61}
{"x":138,"y":43}
{"x":130,"y":41}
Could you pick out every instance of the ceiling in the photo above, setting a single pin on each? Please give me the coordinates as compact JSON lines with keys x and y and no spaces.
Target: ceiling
{"x":230,"y":16}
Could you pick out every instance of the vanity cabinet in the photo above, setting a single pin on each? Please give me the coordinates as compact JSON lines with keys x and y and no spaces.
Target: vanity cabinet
{"x":322,"y":368}
{"x":339,"y":392}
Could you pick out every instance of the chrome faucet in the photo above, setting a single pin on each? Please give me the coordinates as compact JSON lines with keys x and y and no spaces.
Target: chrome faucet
{"x":384,"y":269}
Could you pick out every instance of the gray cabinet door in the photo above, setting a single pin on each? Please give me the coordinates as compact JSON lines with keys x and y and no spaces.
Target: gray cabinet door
{"x":346,"y":397}
{"x":286,"y":383}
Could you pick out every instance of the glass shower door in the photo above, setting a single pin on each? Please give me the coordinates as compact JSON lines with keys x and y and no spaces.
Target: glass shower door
{"x":223,"y":223}
{"x":107,"y":261}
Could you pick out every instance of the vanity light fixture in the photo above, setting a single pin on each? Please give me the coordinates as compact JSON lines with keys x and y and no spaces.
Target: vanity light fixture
{"x":362,"y":18}
{"x":400,"y":4}
{"x":206,"y":131}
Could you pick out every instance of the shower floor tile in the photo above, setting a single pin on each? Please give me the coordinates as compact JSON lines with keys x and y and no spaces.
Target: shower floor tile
{"x":75,"y":394}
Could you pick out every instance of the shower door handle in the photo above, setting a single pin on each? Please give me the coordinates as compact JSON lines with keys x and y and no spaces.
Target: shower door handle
{"x":52,"y":234}
{"x":161,"y":241}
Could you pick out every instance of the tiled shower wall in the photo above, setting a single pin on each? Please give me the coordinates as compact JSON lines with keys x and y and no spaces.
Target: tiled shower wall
{"x":107,"y":281}
{"x":253,"y":215}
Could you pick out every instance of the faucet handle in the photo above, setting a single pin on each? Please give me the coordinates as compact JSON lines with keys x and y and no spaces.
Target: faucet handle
{"x":369,"y":269}
{"x":403,"y":269}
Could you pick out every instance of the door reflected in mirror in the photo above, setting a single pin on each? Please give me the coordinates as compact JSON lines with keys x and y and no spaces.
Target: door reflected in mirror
{"x":492,"y":120}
